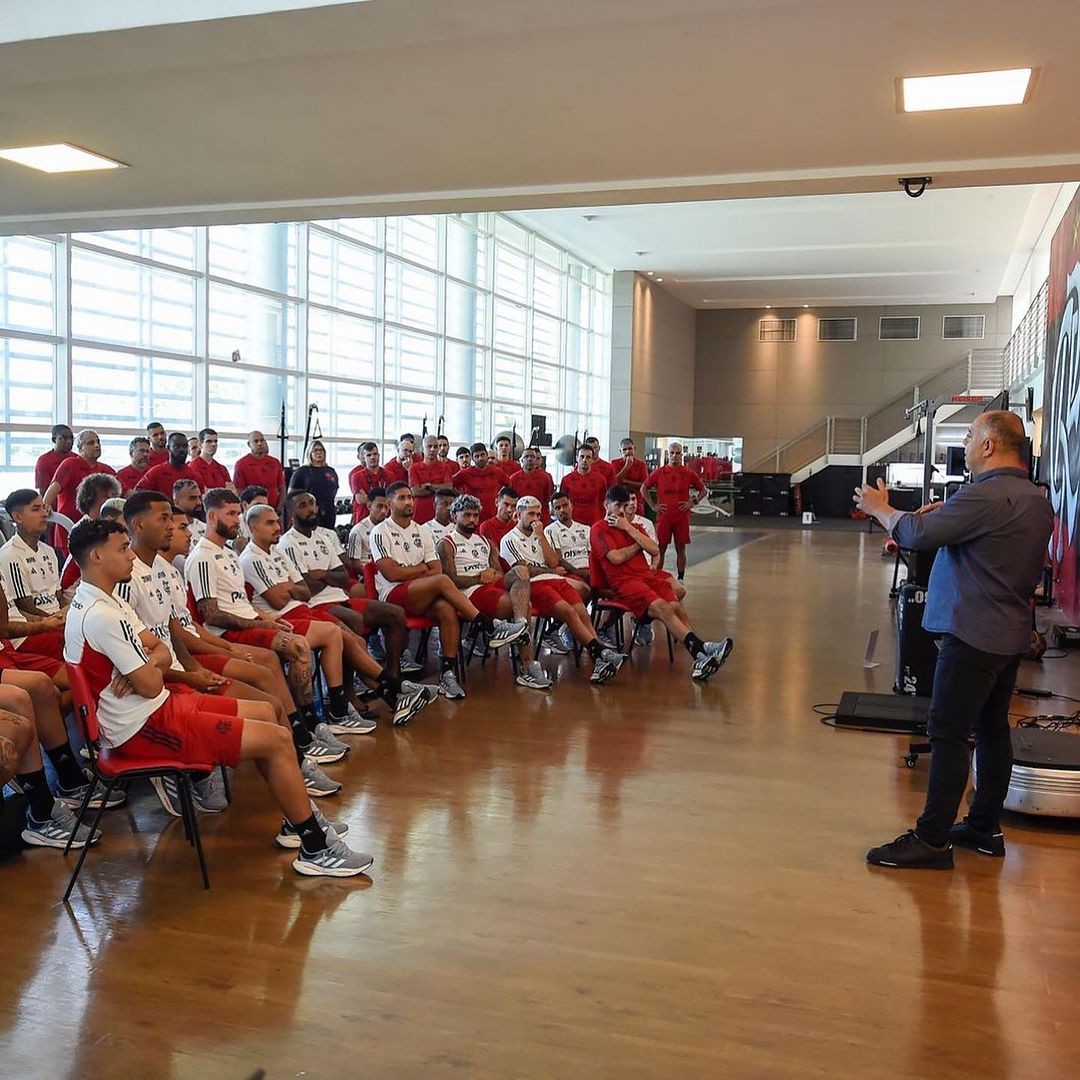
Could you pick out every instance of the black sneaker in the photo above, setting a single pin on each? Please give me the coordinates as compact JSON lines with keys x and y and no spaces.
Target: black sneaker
{"x":963,"y":835}
{"x":909,"y":852}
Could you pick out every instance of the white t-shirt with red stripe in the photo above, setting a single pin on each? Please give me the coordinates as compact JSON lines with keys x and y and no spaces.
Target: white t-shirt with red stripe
{"x":309,"y":553}
{"x":214,"y":573}
{"x":516,"y":548}
{"x":471,"y":555}
{"x":149,"y":595}
{"x":265,"y":569}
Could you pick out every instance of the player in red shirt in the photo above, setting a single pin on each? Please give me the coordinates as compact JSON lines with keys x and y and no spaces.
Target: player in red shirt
{"x":70,"y":473}
{"x":444,"y":453}
{"x":495,"y":528}
{"x":482,"y":479}
{"x":530,"y":479}
{"x":367,"y":475}
{"x":260,"y":469}
{"x":586,"y":487}
{"x":161,"y":478}
{"x":46,"y":465}
{"x":619,"y":553}
{"x":630,"y":470}
{"x":397,"y":471}
{"x":464,"y":458}
{"x":605,"y":468}
{"x":209,"y":473}
{"x":159,"y":450}
{"x":673,"y":483}
{"x":504,"y":457}
{"x":426,"y":477}
{"x":130,"y":475}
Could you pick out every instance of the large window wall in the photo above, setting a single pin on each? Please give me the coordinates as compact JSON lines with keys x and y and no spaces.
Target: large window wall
{"x":377,"y":321}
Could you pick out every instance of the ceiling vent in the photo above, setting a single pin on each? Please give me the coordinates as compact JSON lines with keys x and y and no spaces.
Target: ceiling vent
{"x":837,"y":329}
{"x":776,"y":330}
{"x":963,"y":327}
{"x":898,"y":328}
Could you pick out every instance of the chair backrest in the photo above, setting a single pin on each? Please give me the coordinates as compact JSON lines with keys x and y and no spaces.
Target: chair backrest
{"x":598,"y":579}
{"x":85,"y":705}
{"x":193,"y":608}
{"x":369,"y":580}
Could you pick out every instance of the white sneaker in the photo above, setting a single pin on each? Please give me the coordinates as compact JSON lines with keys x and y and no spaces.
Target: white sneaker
{"x":54,"y":833}
{"x":326,"y":737}
{"x":352,"y":723}
{"x":409,"y":665}
{"x":335,"y":860}
{"x":449,"y":686}
{"x":534,"y":677}
{"x":208,"y":794}
{"x":554,"y":643}
{"x":289,"y":837}
{"x":412,"y":699}
{"x":505,"y":632}
{"x":318,"y":784}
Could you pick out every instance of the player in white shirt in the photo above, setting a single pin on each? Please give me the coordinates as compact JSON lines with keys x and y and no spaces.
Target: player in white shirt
{"x":358,"y":552}
{"x":124,"y":664}
{"x":408,"y":573}
{"x":471,"y":563}
{"x":570,"y":540}
{"x":443,"y":522}
{"x":525,"y":545}
{"x":252,"y":495}
{"x":187,"y":497}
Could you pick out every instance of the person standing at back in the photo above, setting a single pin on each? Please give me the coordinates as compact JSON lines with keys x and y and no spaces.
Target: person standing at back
{"x":674,"y":484}
{"x":991,"y":539}
{"x":320,"y":481}
{"x":586,"y":487}
{"x":532,"y":480}
{"x":159,"y":448}
{"x":162,"y":478}
{"x":397,"y":471}
{"x":209,"y":473}
{"x":130,"y":475}
{"x":630,"y":471}
{"x":482,"y":480}
{"x":45,"y":467}
{"x":261,"y":469}
{"x":70,"y":473}
{"x":605,"y":468}
{"x":365,"y":476}
{"x":426,"y":477}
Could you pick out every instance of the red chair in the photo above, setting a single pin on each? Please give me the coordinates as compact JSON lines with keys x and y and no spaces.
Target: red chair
{"x":412,"y":622}
{"x":109,"y":768}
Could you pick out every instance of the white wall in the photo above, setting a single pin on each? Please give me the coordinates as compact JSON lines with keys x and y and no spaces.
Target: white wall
{"x":1037,"y":268}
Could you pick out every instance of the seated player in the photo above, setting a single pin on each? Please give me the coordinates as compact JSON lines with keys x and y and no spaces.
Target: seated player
{"x":570,"y":541}
{"x":645,"y":633}
{"x":408,"y":573}
{"x":442,"y":523}
{"x":358,"y":552}
{"x":216,"y":581}
{"x":470,"y":562}
{"x":112,"y":509}
{"x":252,"y":495}
{"x":495,"y":528}
{"x":187,"y":498}
{"x":526,"y":546}
{"x":322,"y":572}
{"x":143,"y":719}
{"x":246,"y":663}
{"x":620,"y":553}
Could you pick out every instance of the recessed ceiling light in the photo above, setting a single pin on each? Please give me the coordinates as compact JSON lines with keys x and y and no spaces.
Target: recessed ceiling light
{"x":649,"y":273}
{"x":59,"y":158}
{"x":806,"y":305}
{"x":974,"y":90}
{"x":768,"y":306}
{"x":659,"y":279}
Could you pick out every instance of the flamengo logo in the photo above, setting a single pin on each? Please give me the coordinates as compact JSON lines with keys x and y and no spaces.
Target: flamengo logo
{"x":1063,"y":473}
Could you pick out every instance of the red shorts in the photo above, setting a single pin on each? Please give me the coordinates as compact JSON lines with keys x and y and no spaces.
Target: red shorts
{"x":637,"y":593}
{"x":214,"y":662}
{"x":486,"y":598}
{"x":301,"y":618}
{"x":24,"y":660}
{"x":190,"y":729}
{"x":50,"y":644}
{"x":261,"y":639}
{"x":673,"y":527}
{"x":399,"y":595}
{"x":546,"y":593}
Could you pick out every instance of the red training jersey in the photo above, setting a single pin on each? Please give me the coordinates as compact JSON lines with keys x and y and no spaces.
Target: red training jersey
{"x":396,"y":473}
{"x":158,"y":457}
{"x":435,"y":475}
{"x":673,"y":484}
{"x":70,"y":473}
{"x":586,"y":491}
{"x":604,"y":538}
{"x":163,"y":477}
{"x":455,"y":468}
{"x":607,"y":469}
{"x":507,"y":468}
{"x":484,"y":484}
{"x":493,"y":530}
{"x":264,"y":472}
{"x":129,"y":478}
{"x":635,"y":475}
{"x":363,"y":479}
{"x":210,"y":474}
{"x":46,"y":466}
{"x":539,"y":485}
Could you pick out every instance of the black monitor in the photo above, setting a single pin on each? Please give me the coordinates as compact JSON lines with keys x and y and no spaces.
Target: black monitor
{"x":954,"y":461}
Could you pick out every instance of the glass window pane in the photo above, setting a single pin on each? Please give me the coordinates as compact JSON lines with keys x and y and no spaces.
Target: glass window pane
{"x":545,"y":386}
{"x":466,"y":313}
{"x":125,"y":390}
{"x":510,"y":233}
{"x":547,"y":289}
{"x":129,"y":304}
{"x":409,"y":359}
{"x":341,"y":274}
{"x":412,"y":296}
{"x":26,"y":383}
{"x":243,"y":401}
{"x":366,"y":229}
{"x":340,"y":345}
{"x":510,"y":326}
{"x":466,"y":253}
{"x":18,"y":454}
{"x":345,"y":411}
{"x":404,"y":410}
{"x":261,"y":329}
{"x":263,"y":255}
{"x":162,"y":245}
{"x":415,"y":238}
{"x":577,"y":347}
{"x":28,"y":284}
{"x":508,"y":378}
{"x":511,"y":273}
{"x":466,"y":369}
{"x":466,"y":421}
{"x":547,"y":338}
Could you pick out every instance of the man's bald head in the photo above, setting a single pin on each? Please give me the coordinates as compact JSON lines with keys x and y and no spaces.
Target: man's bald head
{"x":995,"y":441}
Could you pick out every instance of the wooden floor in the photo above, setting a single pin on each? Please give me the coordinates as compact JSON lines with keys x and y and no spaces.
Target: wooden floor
{"x":653,"y":879}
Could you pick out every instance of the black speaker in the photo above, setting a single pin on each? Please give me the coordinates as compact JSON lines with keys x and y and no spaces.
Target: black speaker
{"x":916,"y":650}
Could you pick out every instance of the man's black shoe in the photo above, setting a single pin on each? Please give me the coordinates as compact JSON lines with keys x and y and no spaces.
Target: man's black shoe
{"x":909,"y":852}
{"x":963,"y":835}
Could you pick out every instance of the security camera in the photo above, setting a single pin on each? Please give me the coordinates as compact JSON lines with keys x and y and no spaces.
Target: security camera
{"x":915,"y":185}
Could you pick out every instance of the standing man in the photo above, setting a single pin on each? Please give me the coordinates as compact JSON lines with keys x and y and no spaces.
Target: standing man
{"x":444,"y":453}
{"x":130,"y":475}
{"x":70,"y":473}
{"x":532,"y":480}
{"x":482,"y":480}
{"x":464,"y":458}
{"x":605,"y":468}
{"x":631,"y":471}
{"x":397,"y":471}
{"x":259,"y":468}
{"x":586,"y":487}
{"x":208,"y":472}
{"x":504,"y":457}
{"x":164,"y":477}
{"x":46,"y":465}
{"x":426,"y":477}
{"x":367,"y":475}
{"x":991,"y":538}
{"x":159,"y":451}
{"x":674,"y":498}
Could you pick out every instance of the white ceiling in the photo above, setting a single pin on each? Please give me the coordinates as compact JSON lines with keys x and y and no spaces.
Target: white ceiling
{"x":961,"y":245}
{"x":434,"y":105}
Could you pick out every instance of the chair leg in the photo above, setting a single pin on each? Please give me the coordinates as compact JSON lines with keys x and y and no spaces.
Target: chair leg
{"x":226,"y":784}
{"x":422,"y":647}
{"x":188,"y":804}
{"x":670,"y":646}
{"x":86,"y":847}
{"x":634,"y":624}
{"x":83,"y":806}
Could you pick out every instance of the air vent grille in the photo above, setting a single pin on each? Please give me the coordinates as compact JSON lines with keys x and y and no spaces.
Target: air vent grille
{"x":966,"y":327}
{"x":898,"y":328}
{"x":837,"y":329}
{"x":776,"y":330}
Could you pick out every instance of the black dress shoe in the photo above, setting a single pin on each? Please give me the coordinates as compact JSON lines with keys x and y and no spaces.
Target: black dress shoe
{"x":964,"y":835}
{"x":910,"y":852}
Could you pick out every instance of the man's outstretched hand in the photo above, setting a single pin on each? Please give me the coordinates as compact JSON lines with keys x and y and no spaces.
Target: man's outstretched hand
{"x":872,"y":500}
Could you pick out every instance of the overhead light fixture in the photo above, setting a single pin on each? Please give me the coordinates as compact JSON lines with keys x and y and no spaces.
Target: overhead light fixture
{"x":768,"y":306}
{"x":806,"y":305}
{"x":659,"y":279}
{"x":59,"y":158}
{"x":973,"y":90}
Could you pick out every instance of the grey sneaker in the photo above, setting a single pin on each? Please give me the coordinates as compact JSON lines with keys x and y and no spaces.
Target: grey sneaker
{"x":646,"y":635}
{"x":208,"y":794}
{"x":554,"y":643}
{"x":376,"y":648}
{"x":318,"y":784}
{"x":72,"y":797}
{"x":352,"y":723}
{"x":705,"y":666}
{"x":289,"y":837}
{"x":720,"y":649}
{"x":449,"y":686}
{"x":607,"y":667}
{"x":534,"y":677}
{"x":326,"y":737}
{"x":413,"y":698}
{"x":567,"y":639}
{"x":505,"y":632}
{"x":167,"y":792}
{"x":322,"y":754}
{"x":607,"y":638}
{"x":55,"y":832}
{"x":409,"y":666}
{"x":335,"y":860}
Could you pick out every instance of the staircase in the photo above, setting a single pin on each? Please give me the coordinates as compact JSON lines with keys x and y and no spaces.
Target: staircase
{"x":865,"y":440}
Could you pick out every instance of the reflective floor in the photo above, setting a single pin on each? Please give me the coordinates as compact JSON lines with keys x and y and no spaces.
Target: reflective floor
{"x":653,"y":879}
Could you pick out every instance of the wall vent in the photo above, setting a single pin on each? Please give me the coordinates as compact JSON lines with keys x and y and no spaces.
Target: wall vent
{"x":963,"y":327}
{"x":776,"y":330}
{"x":837,"y":329}
{"x":898,"y":328}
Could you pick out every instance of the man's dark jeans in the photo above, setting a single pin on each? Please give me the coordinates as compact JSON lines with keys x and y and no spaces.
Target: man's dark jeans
{"x":972,"y":690}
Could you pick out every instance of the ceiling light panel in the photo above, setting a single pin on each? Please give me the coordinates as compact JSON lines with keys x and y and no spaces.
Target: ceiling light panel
{"x":59,"y":158}
{"x":973,"y":90}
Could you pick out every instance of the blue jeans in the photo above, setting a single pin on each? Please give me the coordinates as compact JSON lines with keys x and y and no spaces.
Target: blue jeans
{"x":972,"y":690}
